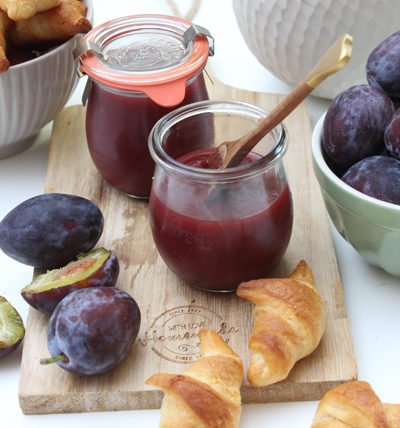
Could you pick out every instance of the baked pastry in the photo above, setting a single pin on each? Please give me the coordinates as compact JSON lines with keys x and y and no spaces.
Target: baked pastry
{"x":5,"y":23}
{"x":355,"y":405}
{"x":54,"y":25}
{"x":24,"y":9}
{"x":392,"y":413}
{"x":288,"y":323}
{"x":207,"y":395}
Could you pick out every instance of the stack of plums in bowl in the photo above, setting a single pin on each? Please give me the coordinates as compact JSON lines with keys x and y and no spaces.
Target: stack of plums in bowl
{"x":356,"y":158}
{"x":37,"y":68}
{"x":92,"y":323}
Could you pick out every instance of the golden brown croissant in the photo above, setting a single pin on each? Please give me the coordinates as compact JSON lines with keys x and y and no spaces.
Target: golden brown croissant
{"x":207,"y":395}
{"x":4,"y":25}
{"x":392,"y":412}
{"x":288,"y":323}
{"x":355,"y":405}
{"x":56,"y":24}
{"x":24,"y":9}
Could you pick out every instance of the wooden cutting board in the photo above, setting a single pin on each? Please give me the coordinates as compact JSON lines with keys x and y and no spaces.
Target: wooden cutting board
{"x":172,"y":312}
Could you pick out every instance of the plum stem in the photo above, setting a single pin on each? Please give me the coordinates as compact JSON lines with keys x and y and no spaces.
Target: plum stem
{"x":51,"y":360}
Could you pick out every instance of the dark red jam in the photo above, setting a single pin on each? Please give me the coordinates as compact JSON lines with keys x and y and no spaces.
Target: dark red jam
{"x":224,"y":237}
{"x":117,"y":127}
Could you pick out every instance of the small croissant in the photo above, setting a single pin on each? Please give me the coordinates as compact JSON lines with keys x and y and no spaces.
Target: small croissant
{"x":207,"y":394}
{"x":288,"y":323}
{"x":5,"y":23}
{"x":355,"y":405}
{"x":24,"y":9}
{"x":57,"y":24}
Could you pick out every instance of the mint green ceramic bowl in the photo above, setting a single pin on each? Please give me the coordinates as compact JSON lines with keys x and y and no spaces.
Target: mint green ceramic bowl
{"x":371,"y":226}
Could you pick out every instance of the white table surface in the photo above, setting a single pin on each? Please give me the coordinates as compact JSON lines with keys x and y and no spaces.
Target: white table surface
{"x":372,"y":297}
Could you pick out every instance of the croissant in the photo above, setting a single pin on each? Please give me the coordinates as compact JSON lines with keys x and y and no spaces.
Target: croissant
{"x":56,"y":24}
{"x":288,"y":323}
{"x":24,"y":9}
{"x":207,"y":395}
{"x":4,"y":25}
{"x":355,"y":405}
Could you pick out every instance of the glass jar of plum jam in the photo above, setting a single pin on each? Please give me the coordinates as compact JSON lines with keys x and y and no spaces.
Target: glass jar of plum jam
{"x":140,"y":68}
{"x":217,"y":227}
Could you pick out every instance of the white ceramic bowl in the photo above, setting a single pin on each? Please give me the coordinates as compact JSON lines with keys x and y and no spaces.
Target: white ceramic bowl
{"x":34,"y":92}
{"x":289,"y":37}
{"x":371,"y":226}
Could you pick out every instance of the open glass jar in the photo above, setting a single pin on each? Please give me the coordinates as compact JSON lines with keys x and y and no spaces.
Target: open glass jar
{"x":140,"y":68}
{"x":217,"y":227}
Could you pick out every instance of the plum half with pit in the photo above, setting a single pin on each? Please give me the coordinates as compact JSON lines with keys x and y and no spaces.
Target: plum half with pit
{"x":91,"y":330}
{"x":376,"y":176}
{"x":355,"y":123}
{"x":12,"y":329}
{"x":97,"y":268}
{"x":383,"y":66}
{"x":392,"y":135}
{"x":49,"y":230}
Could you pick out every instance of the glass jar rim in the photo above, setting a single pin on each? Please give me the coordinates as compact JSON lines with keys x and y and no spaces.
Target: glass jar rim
{"x":161,"y":158}
{"x":104,"y":34}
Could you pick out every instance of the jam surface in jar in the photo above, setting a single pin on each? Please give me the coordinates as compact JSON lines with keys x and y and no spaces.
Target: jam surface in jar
{"x":117,"y":129}
{"x":218,"y":240}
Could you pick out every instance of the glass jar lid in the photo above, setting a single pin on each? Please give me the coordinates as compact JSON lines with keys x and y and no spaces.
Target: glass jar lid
{"x":154,"y":54}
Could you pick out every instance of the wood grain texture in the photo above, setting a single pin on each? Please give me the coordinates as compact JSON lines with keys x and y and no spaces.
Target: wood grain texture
{"x":172,"y":312}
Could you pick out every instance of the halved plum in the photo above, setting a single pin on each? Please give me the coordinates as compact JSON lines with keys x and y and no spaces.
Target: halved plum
{"x":97,"y":268}
{"x":12,"y":329}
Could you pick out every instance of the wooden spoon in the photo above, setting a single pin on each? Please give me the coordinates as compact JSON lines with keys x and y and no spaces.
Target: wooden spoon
{"x":231,"y":153}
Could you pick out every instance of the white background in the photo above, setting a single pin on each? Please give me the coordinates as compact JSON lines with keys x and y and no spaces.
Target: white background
{"x":372,"y":297}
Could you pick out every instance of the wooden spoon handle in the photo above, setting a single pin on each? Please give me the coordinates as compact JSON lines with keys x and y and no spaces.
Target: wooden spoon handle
{"x":231,"y":153}
{"x":240,"y":148}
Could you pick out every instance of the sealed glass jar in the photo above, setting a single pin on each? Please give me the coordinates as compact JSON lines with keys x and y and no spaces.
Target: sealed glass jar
{"x":140,"y":68}
{"x":217,"y":227}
